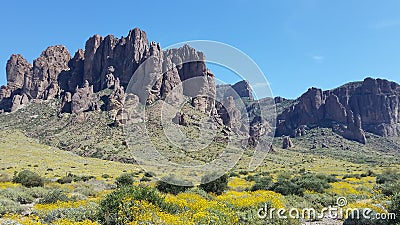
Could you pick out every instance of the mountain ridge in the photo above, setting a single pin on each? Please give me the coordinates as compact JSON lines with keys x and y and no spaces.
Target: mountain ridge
{"x":108,"y":64}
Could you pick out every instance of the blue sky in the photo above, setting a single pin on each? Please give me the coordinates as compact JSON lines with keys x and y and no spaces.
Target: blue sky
{"x":297,"y":44}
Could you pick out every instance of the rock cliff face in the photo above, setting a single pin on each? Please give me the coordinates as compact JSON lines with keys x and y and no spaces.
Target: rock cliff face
{"x":104,"y":61}
{"x":372,"y":105}
{"x":240,"y":89}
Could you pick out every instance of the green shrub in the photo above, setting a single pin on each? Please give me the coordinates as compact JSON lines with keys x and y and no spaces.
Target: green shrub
{"x":243,"y":172}
{"x":262,"y":183}
{"x":395,"y":207}
{"x":9,"y":206}
{"x":388,"y":182}
{"x":81,"y":213}
{"x":357,"y":176}
{"x":312,"y":182}
{"x":18,"y":194}
{"x":144,"y":179}
{"x":234,"y":174}
{"x":173,"y":185}
{"x":357,"y":218}
{"x":74,"y":178}
{"x":38,"y":192}
{"x":105,"y":176}
{"x":54,"y":196}
{"x":28,"y":179}
{"x":287,"y":187}
{"x":217,"y":186}
{"x":200,"y":192}
{"x":149,"y":174}
{"x":125,"y":179}
{"x":112,"y":204}
{"x":388,"y":176}
{"x":84,"y":189}
{"x":65,"y":180}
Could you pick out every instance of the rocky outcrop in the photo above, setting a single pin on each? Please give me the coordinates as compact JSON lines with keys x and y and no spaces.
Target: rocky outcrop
{"x":46,"y":69}
{"x":240,"y":89}
{"x":19,"y":101}
{"x":125,"y":55}
{"x":17,"y":69}
{"x":82,"y":100}
{"x":108,"y":59}
{"x":180,"y":119}
{"x":230,"y":115}
{"x":117,"y":97}
{"x":287,"y":142}
{"x":372,"y":105}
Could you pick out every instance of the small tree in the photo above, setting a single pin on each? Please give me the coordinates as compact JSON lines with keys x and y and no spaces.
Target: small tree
{"x":125,"y":179}
{"x":173,"y":185}
{"x":217,"y":186}
{"x":28,"y":179}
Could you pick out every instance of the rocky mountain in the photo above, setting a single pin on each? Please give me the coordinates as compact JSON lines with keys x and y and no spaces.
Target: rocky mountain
{"x":117,"y":64}
{"x":151,"y":74}
{"x":105,"y":60}
{"x":372,"y":105}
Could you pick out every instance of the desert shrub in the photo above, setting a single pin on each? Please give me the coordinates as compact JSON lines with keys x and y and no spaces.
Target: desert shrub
{"x":262,"y":183}
{"x":9,"y":206}
{"x":18,"y":194}
{"x":388,"y":176}
{"x":54,"y":196}
{"x":199,"y":192}
{"x":389,"y":188}
{"x":243,"y":172}
{"x":84,"y":189}
{"x":28,"y":179}
{"x":350,"y":175}
{"x":4,"y":177}
{"x":149,"y":174}
{"x":86,"y":178}
{"x":286,"y":186}
{"x":65,"y":180}
{"x":125,"y":179}
{"x":144,"y":179}
{"x":173,"y":185}
{"x":395,"y":207}
{"x":81,"y":213}
{"x":252,"y":177}
{"x":234,"y":174}
{"x":217,"y":186}
{"x":38,"y":192}
{"x":74,"y":178}
{"x":312,"y":182}
{"x":357,"y":218}
{"x":388,"y":182}
{"x":105,"y":176}
{"x":369,"y":173}
{"x":115,"y":203}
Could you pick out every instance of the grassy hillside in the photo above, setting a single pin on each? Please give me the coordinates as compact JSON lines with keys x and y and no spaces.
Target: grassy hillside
{"x":321,"y":167}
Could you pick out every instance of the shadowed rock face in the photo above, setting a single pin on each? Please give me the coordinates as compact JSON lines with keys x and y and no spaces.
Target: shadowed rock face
{"x":372,"y":105}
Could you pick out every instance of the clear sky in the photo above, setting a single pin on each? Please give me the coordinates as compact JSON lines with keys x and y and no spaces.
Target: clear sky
{"x":297,"y":44}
